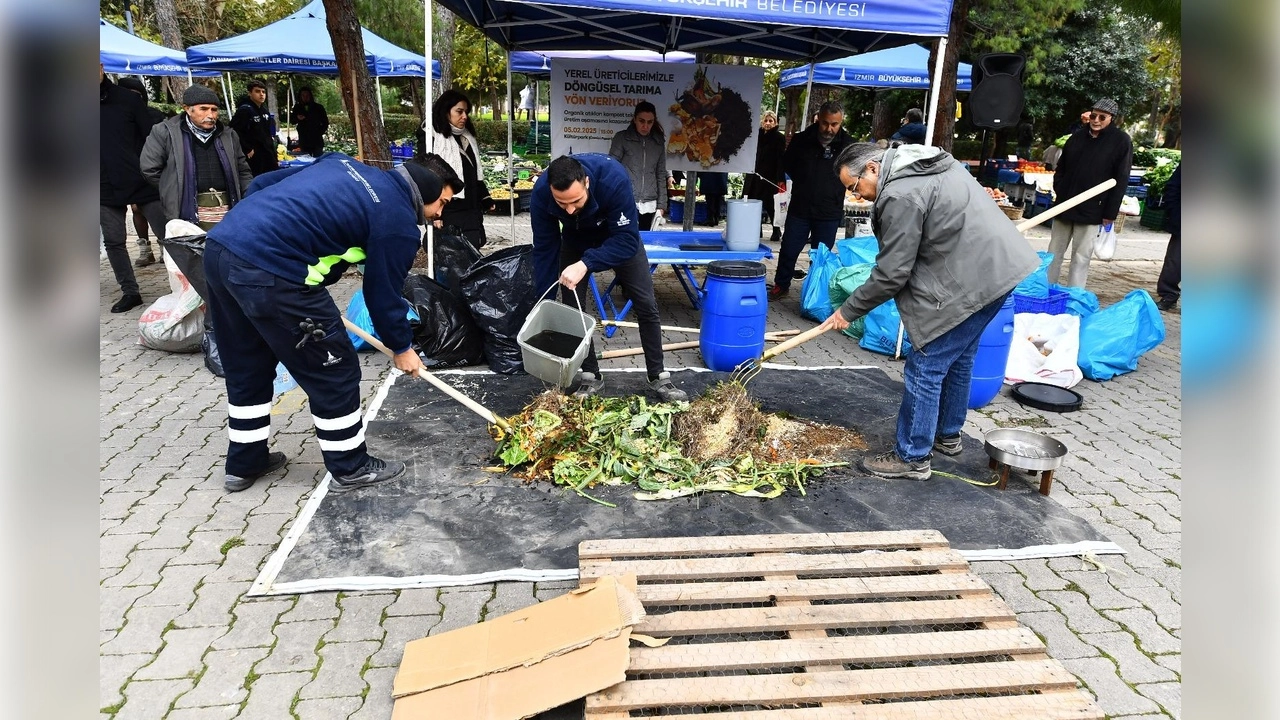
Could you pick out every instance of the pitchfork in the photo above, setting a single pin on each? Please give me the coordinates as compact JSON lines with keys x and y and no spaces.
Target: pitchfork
{"x":747,"y":370}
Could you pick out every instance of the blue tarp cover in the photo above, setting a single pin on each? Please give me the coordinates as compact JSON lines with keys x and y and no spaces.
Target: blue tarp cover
{"x":905,"y":67}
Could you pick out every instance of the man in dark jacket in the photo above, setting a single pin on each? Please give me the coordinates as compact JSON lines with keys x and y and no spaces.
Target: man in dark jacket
{"x":267,"y":265}
{"x":313,"y":122}
{"x":584,"y":218}
{"x":1169,"y":286}
{"x":817,"y":197}
{"x":1091,"y":155}
{"x":763,"y":184}
{"x":192,"y":158}
{"x":912,"y":130}
{"x":253,"y":124}
{"x":154,"y":115}
{"x":949,"y":257}
{"x":123,"y":127}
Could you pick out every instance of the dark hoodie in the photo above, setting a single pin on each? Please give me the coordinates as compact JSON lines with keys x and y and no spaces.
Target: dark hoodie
{"x":253,"y":124}
{"x":123,"y":127}
{"x":816,"y":192}
{"x":1087,"y":161}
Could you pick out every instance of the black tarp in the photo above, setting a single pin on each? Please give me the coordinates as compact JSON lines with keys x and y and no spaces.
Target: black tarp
{"x":449,"y":517}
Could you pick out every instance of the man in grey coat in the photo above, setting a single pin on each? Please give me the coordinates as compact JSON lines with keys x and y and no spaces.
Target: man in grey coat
{"x":949,"y":257}
{"x":196,"y":161}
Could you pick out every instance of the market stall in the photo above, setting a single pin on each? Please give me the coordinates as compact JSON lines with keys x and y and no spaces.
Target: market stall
{"x":125,"y":54}
{"x":900,"y":68}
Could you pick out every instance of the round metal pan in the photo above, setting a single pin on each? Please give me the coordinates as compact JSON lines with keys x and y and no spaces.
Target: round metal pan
{"x":1024,"y":449}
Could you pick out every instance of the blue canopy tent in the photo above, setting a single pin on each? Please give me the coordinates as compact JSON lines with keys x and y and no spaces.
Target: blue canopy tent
{"x":125,"y":54}
{"x":905,"y":67}
{"x":775,"y":29}
{"x":538,"y":64}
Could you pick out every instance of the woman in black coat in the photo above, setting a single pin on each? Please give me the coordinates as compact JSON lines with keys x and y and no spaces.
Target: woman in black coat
{"x":763,"y":185}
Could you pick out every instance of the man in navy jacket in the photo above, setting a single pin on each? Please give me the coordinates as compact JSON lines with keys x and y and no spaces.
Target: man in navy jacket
{"x":267,"y":264}
{"x":584,"y":221}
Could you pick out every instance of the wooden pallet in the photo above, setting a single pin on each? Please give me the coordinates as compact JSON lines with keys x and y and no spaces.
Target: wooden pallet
{"x":885,"y":625}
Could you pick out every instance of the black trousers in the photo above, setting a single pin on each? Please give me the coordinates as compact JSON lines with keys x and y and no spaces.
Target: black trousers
{"x":111,"y":220}
{"x":637,"y":285}
{"x":646,"y":220}
{"x":259,"y":320}
{"x":1169,"y":286}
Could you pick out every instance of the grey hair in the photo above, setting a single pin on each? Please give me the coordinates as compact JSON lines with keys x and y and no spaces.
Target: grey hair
{"x":855,"y":157}
{"x":831,"y":107}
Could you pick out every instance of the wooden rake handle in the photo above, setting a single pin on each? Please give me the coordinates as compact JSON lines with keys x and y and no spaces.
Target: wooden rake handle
{"x":441,"y":385}
{"x":1059,"y":209}
{"x":803,"y":337}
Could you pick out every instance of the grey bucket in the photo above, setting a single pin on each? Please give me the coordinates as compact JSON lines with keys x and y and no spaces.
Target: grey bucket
{"x":557,"y":317}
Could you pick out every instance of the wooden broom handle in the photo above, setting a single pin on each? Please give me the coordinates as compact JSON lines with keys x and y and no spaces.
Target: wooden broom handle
{"x":804,"y":337}
{"x":441,"y":385}
{"x":1053,"y":212}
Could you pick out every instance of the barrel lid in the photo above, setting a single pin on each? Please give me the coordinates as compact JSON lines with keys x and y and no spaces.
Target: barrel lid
{"x":736,"y":268}
{"x":1044,"y":396}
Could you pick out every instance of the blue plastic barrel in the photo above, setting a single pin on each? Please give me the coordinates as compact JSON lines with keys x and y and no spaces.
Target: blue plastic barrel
{"x":992,"y":357}
{"x":733,"y":314}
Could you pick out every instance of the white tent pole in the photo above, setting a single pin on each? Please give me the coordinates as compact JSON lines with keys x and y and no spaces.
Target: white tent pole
{"x":777,"y":98}
{"x":377,"y":83}
{"x":808,"y":92}
{"x":429,"y":137}
{"x":511,"y":158}
{"x":931,"y":119}
{"x":226,"y":92}
{"x":190,"y":82}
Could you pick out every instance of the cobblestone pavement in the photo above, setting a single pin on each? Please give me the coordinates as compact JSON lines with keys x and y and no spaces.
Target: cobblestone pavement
{"x":180,"y":641}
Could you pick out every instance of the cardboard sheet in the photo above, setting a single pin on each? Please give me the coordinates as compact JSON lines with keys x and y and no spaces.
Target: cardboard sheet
{"x":522,"y":663}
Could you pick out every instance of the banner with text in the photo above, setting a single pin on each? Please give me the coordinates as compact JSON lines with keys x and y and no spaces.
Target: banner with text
{"x":709,"y":112}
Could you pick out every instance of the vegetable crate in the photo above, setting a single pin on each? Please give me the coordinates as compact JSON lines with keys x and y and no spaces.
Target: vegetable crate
{"x":783,"y":627}
{"x":675,"y":211}
{"x":1054,"y":304}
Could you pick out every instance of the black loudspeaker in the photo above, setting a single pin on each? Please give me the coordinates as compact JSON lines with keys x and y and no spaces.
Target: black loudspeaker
{"x":996,"y":100}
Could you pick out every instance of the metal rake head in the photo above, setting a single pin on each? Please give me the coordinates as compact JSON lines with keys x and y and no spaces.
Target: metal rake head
{"x":746,"y":371}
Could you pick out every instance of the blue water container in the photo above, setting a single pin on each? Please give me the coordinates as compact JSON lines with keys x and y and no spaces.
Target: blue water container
{"x":992,"y":357}
{"x":733,"y":314}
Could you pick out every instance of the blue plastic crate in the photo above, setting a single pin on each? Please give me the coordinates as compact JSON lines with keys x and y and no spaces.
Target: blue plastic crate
{"x":1054,"y":304}
{"x":1138,"y":191}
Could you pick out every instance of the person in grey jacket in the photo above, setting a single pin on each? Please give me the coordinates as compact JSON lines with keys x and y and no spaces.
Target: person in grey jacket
{"x":193,"y":154}
{"x":641,"y":149}
{"x":950,"y":258}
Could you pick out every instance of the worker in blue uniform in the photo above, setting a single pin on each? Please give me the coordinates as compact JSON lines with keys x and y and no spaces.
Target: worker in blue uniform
{"x":584,"y":220}
{"x":268,"y":263}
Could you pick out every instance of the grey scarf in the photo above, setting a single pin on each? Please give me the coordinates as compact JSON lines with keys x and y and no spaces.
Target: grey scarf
{"x":202,"y":135}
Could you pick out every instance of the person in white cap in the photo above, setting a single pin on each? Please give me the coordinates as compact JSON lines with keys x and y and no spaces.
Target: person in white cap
{"x":1092,"y":154}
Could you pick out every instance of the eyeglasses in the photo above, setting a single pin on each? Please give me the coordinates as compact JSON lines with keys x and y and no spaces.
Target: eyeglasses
{"x":1098,"y":116}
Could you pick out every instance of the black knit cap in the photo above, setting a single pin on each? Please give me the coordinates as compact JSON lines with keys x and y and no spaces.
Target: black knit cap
{"x":429,"y":185}
{"x":199,"y":95}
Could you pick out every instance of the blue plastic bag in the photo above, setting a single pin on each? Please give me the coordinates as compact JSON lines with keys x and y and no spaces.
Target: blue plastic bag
{"x":1036,"y":284}
{"x":358,"y":313}
{"x":1082,"y":303}
{"x":815,"y":297}
{"x":880,"y":330}
{"x":1112,"y":340}
{"x":856,"y":250}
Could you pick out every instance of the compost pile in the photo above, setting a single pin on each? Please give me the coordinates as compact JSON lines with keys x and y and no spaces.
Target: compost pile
{"x":720,"y":441}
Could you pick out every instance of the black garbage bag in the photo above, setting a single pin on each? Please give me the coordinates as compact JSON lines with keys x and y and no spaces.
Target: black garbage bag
{"x":187,"y":252}
{"x":444,"y":331}
{"x":452,"y":255}
{"x":212,"y":359}
{"x":499,"y":292}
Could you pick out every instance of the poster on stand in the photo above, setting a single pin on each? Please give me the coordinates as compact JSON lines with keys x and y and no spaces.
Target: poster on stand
{"x":709,"y":113}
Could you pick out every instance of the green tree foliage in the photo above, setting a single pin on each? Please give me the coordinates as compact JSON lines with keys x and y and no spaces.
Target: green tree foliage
{"x":480,"y":67}
{"x":1104,"y":54}
{"x":201,"y":21}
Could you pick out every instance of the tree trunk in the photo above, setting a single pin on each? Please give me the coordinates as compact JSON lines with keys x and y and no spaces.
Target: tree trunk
{"x":171,"y":36}
{"x":944,"y":123}
{"x":358,"y":94}
{"x":883,"y":123}
{"x":447,"y":27}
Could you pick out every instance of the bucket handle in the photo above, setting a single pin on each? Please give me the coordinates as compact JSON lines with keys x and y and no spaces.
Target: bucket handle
{"x":586,"y":329}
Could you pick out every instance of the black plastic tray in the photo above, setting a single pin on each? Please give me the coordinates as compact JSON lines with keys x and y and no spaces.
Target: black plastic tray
{"x":1044,"y":396}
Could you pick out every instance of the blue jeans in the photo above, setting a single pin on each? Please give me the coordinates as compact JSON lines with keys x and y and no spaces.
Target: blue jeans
{"x":801,"y":231}
{"x":936,"y":376}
